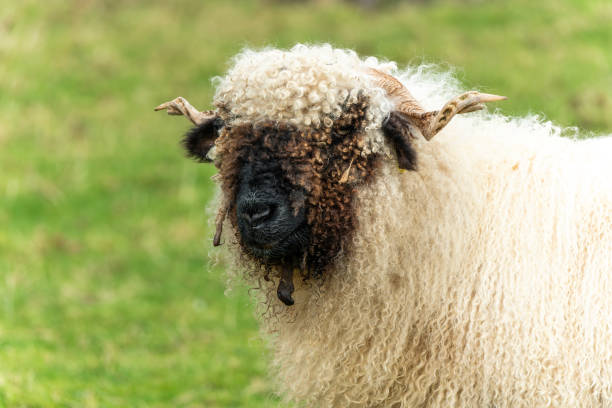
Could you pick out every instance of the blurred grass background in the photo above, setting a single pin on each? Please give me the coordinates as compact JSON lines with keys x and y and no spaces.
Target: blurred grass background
{"x":106,"y":299}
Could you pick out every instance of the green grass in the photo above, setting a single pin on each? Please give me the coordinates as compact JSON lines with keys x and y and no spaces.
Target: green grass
{"x":106,"y":297}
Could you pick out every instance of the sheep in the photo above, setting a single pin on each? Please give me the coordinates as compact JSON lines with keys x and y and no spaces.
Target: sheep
{"x":440,"y":263}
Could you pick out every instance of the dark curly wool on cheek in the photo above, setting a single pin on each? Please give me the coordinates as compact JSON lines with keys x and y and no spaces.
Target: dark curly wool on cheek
{"x":319,"y":170}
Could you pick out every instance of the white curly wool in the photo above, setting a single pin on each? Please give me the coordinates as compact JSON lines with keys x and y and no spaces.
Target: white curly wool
{"x":307,"y":86}
{"x":482,"y":279}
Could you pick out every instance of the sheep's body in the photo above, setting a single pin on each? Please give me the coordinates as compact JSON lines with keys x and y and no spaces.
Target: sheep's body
{"x":482,"y":278}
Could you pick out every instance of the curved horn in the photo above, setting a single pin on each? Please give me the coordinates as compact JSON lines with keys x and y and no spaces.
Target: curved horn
{"x":180,"y":106}
{"x":430,"y":123}
{"x":406,"y":103}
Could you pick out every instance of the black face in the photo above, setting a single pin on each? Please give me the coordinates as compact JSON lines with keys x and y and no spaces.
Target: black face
{"x":271,"y":216}
{"x":289,"y":191}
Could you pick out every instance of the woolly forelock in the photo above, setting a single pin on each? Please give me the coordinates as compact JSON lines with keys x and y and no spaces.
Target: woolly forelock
{"x":307,"y":86}
{"x":480,"y":279}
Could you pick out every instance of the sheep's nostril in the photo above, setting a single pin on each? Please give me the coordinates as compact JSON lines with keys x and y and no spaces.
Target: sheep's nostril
{"x":257,"y":214}
{"x":261,"y":215}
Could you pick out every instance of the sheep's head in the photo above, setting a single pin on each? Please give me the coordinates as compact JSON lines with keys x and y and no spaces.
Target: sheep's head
{"x":294,"y":136}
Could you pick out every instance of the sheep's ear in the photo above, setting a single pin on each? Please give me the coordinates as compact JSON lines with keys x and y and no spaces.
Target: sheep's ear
{"x":199,"y":141}
{"x":397,"y":129}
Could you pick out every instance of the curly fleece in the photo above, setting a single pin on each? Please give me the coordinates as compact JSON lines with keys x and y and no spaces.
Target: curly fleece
{"x":482,"y":278}
{"x":305,"y":86}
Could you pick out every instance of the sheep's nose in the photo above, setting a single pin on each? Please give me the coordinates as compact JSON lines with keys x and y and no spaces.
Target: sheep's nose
{"x":255,"y":213}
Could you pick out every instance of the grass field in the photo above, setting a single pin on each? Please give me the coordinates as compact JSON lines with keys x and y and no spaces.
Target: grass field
{"x":106,"y":298}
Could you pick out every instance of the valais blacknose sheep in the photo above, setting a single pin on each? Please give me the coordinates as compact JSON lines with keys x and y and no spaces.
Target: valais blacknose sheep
{"x":401,"y":262}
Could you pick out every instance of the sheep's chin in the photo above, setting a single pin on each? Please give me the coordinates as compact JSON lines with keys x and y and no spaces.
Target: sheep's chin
{"x":287,"y":250}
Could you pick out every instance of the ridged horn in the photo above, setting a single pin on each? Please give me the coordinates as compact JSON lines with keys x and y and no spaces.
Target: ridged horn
{"x":180,"y":106}
{"x":430,"y":122}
